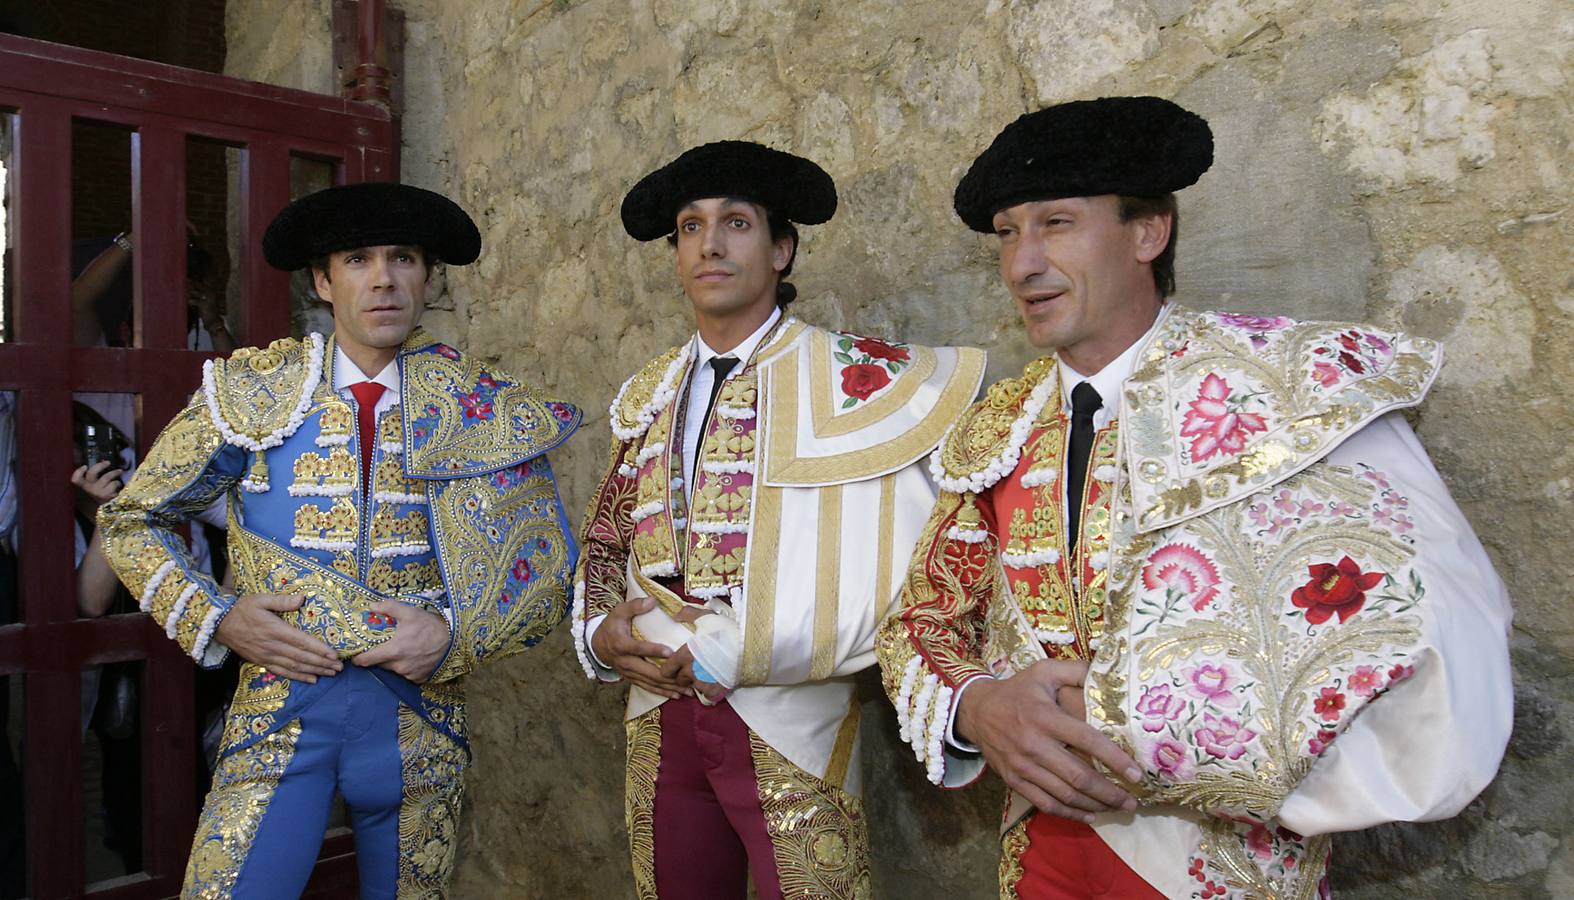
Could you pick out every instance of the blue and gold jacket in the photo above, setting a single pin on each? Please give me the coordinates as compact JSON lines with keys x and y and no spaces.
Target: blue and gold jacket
{"x":461,"y":517}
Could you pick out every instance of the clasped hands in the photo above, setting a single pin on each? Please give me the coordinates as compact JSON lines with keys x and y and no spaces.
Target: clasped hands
{"x":652,"y":666}
{"x":1033,"y":731}
{"x":254,"y":629}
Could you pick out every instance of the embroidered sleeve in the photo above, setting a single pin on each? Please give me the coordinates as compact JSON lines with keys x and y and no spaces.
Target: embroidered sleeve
{"x":188,"y":468}
{"x":508,"y":554}
{"x":601,"y":580}
{"x":935,"y":641}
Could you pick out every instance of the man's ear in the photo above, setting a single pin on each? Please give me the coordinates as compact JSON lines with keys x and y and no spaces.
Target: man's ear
{"x":323,"y":285}
{"x":781,"y":253}
{"x":1153,"y":235}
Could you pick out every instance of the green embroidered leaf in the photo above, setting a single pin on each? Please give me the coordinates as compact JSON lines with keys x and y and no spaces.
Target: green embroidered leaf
{"x":845,"y":343}
{"x":844,"y":358}
{"x":850,"y":401}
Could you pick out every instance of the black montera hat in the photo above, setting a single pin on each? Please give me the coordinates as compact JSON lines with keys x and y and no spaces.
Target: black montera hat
{"x":1137,"y":146}
{"x":789,"y":185}
{"x":370,"y":214}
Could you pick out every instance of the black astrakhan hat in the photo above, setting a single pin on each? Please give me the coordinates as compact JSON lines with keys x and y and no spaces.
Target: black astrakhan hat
{"x":370,"y":214}
{"x":1137,"y":146}
{"x":789,"y":185}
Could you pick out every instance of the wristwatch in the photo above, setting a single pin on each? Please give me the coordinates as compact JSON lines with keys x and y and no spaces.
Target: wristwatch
{"x":123,"y":241}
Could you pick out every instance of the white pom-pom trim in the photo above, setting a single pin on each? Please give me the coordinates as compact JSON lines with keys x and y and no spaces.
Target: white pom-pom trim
{"x":399,"y":497}
{"x":1106,"y":472}
{"x":1060,"y":638}
{"x":1036,"y":477}
{"x":666,"y":569}
{"x":297,"y":416}
{"x":665,"y":391}
{"x":1046,"y":557}
{"x":918,"y":725}
{"x":414,"y":548}
{"x":731,"y":467}
{"x":179,"y":610}
{"x":904,"y":697}
{"x":715,"y":592}
{"x":392,"y":448}
{"x":321,"y":490}
{"x":311,"y":543}
{"x":151,"y":588}
{"x":737,"y":413}
{"x":967,"y":535}
{"x":577,"y":629}
{"x":627,"y":471}
{"x":210,"y":624}
{"x":650,"y":452}
{"x":679,"y":523}
{"x":331,"y":440}
{"x":1007,"y":461}
{"x":720,"y":528}
{"x":253,"y":487}
{"x":645,"y":511}
{"x":1099,"y":561}
{"x":934,"y":768}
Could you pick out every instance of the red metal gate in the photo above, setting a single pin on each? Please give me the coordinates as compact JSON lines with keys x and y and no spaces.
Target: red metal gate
{"x":44,"y":87}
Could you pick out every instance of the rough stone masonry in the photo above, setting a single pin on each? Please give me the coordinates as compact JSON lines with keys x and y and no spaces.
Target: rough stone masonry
{"x":1407,"y":163}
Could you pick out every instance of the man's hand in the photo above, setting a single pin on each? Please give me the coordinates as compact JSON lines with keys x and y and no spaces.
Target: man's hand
{"x":100,"y":483}
{"x":1032,"y":731}
{"x":679,"y":667}
{"x":418,"y":644}
{"x":614,"y":644}
{"x":253,"y":629}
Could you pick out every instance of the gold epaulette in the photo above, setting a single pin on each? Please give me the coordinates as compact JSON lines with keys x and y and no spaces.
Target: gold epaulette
{"x":987,"y":440}
{"x":259,"y":396}
{"x":643,"y":395}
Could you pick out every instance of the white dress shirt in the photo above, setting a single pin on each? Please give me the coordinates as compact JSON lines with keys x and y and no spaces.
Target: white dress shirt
{"x":701,"y":377}
{"x":346,"y":373}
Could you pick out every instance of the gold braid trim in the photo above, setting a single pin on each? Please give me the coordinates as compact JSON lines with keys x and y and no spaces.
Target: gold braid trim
{"x":1012,"y":845}
{"x":243,"y":785}
{"x":433,"y":771}
{"x":817,"y":830}
{"x":644,"y":759}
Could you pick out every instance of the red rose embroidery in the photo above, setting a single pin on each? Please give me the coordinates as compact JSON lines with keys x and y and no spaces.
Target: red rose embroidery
{"x":881,"y":350}
{"x":1328,"y":704}
{"x":1334,"y":589}
{"x":864,"y":379}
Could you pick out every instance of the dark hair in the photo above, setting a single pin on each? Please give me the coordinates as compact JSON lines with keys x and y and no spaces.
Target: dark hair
{"x":1164,"y":263}
{"x":780,"y":229}
{"x":320,"y":263}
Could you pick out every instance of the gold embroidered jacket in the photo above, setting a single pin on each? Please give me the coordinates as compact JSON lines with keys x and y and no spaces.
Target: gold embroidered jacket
{"x":461,"y":515}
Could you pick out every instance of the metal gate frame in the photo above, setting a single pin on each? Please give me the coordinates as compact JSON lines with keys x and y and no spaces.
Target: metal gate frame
{"x":45,"y":86}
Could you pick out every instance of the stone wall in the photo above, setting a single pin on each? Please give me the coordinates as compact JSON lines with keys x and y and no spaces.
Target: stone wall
{"x":1405,"y":163}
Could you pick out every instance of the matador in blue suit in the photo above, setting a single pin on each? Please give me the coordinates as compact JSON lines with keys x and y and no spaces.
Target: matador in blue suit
{"x":393,"y":524}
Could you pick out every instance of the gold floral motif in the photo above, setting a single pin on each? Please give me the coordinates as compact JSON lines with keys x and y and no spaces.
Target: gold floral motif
{"x":335,"y":525}
{"x":1013,"y":844}
{"x":388,"y":477}
{"x":391,"y":529}
{"x":412,"y":577}
{"x":334,"y":419}
{"x":644,"y":760}
{"x":1224,"y":845}
{"x":336,"y":470}
{"x":983,"y":430}
{"x":641,"y":389}
{"x":243,"y":785}
{"x":433,"y":770}
{"x":258,"y":391}
{"x":817,"y":830}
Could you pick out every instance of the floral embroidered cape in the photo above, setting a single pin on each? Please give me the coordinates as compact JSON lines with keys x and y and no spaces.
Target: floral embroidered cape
{"x":1282,"y":556}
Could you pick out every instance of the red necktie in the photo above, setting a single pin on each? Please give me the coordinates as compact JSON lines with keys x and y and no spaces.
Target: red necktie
{"x":366,"y":394}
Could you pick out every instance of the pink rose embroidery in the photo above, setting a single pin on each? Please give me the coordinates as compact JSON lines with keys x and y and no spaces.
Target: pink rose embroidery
{"x":1325,"y":374}
{"x":1185,"y":571}
{"x":1320,"y":743}
{"x":1254,"y":323}
{"x":1159,"y":706}
{"x":1212,"y":683}
{"x":1260,"y":842}
{"x":1399,"y":673}
{"x":1365,"y":681}
{"x":1215,"y":425}
{"x":1170,"y":758}
{"x":1223,"y":737}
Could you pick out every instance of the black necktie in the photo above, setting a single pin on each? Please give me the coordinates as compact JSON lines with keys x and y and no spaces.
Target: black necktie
{"x":1085,"y":401}
{"x":720,"y":365}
